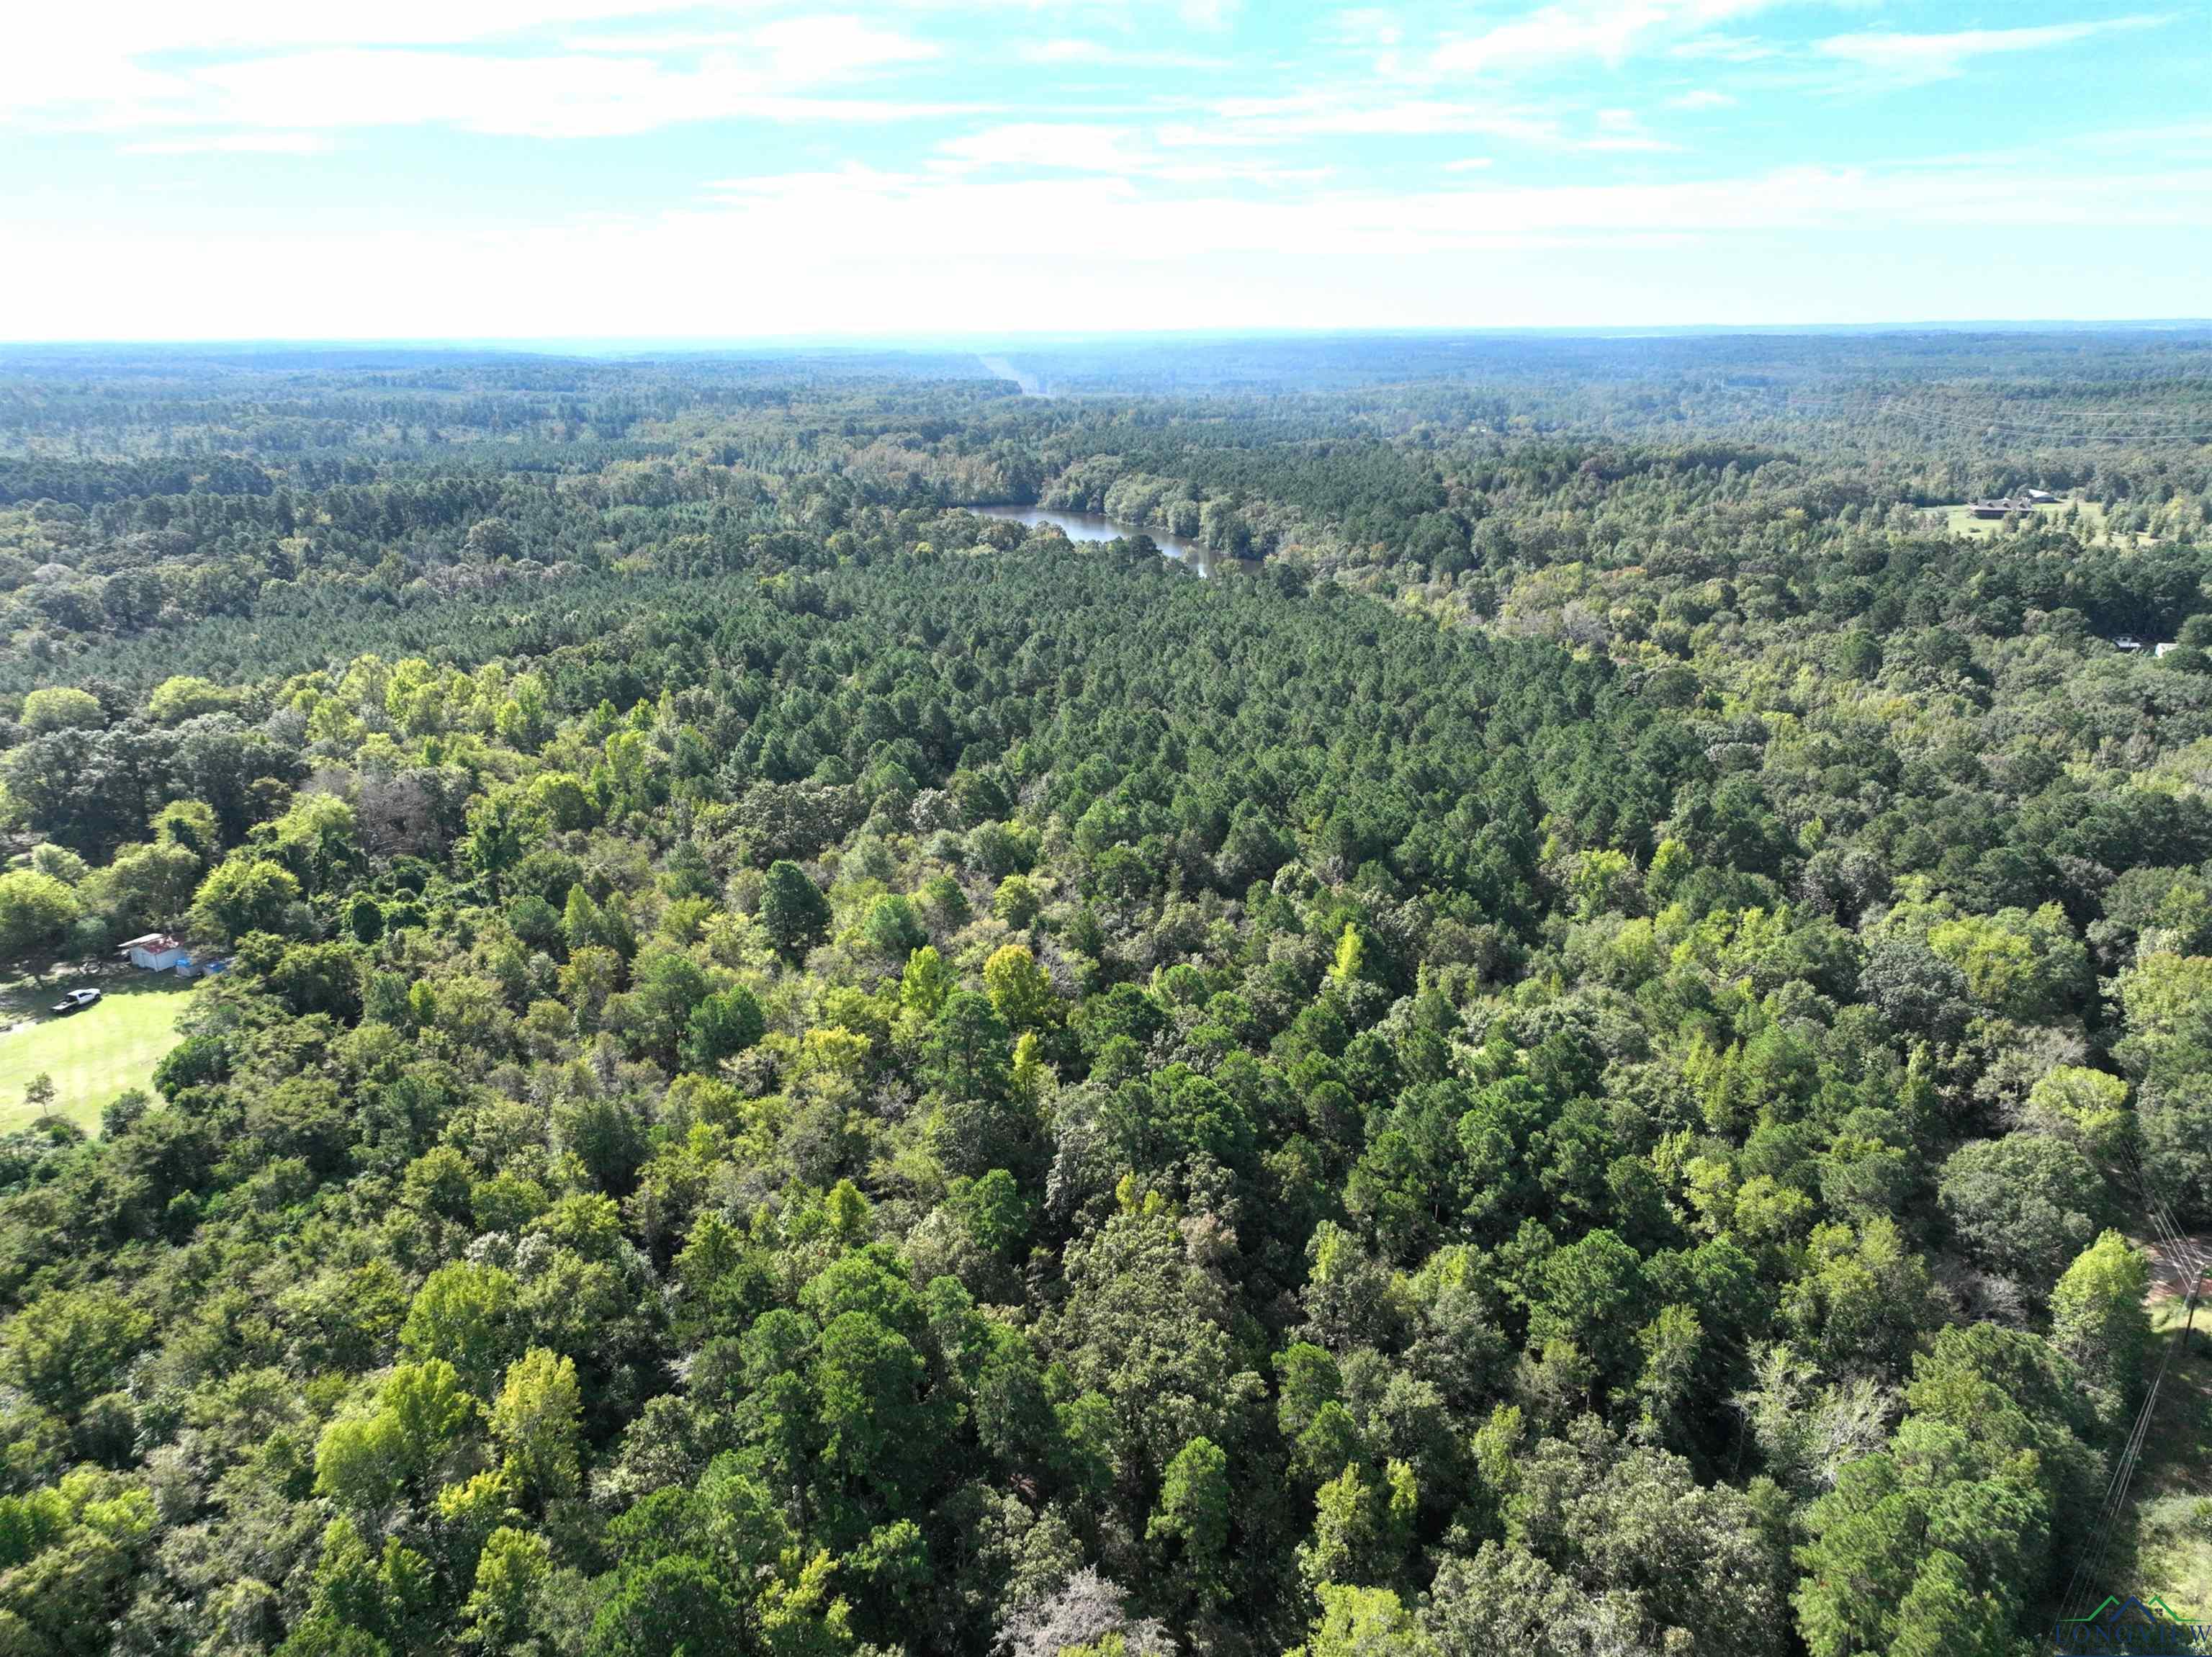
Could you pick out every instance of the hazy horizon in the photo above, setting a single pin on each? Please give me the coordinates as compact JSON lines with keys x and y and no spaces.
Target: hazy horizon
{"x":708,"y":345}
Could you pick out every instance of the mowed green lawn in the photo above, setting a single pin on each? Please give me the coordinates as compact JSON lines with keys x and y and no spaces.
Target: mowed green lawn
{"x":92,"y":1056}
{"x":1964,"y":523}
{"x":1960,"y":519}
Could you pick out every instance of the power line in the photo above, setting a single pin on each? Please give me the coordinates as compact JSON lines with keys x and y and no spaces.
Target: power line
{"x":2184,"y":1254}
{"x":2092,"y":1561}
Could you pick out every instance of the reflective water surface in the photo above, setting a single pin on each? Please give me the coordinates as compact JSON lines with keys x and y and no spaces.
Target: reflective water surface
{"x":1097,"y":527}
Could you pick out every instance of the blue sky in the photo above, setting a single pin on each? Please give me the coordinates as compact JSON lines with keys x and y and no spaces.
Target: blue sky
{"x":566,"y":168}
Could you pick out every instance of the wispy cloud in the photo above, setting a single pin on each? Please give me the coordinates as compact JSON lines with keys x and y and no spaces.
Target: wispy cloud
{"x":813,"y":50}
{"x":1374,"y":33}
{"x":785,"y":69}
{"x":1119,"y":152}
{"x":572,"y":96}
{"x":1722,"y":48}
{"x":1891,"y":59}
{"x":1621,"y":131}
{"x":1209,"y":14}
{"x":1251,"y":122}
{"x":1077,"y":53}
{"x":1073,"y":147}
{"x":235,"y":143}
{"x":1579,"y":31}
{"x":137,"y":27}
{"x":2174,"y":141}
{"x":1357,"y":113}
{"x":1215,"y":159}
{"x":807,"y":49}
{"x":885,"y":206}
{"x":863,"y":251}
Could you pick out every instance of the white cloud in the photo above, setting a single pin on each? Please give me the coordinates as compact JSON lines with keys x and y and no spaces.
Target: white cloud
{"x":1724,"y":49}
{"x":1553,"y":33}
{"x":862,"y":251}
{"x":235,"y":143}
{"x":1084,"y":53}
{"x":1118,"y":152}
{"x":2172,"y":141}
{"x":1898,"y":59}
{"x":809,"y":49}
{"x":813,"y":50}
{"x":89,"y":54}
{"x":1066,"y":147}
{"x":573,"y":96}
{"x":1260,"y":121}
{"x":398,"y":69}
{"x":658,"y":43}
{"x":50,"y":35}
{"x":1609,"y":31}
{"x":1209,"y":14}
{"x":1366,"y":28}
{"x":134,"y":28}
{"x":1622,"y":131}
{"x":1068,"y":50}
{"x":1336,"y":114}
{"x":1378,"y":34}
{"x":876,"y":215}
{"x":779,"y":70}
{"x":1164,"y":200}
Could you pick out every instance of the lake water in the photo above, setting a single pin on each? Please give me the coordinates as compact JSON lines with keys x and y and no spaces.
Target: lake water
{"x":1097,"y":527}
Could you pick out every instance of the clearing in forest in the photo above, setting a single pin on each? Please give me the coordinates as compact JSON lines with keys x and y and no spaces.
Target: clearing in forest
{"x":92,"y":1056}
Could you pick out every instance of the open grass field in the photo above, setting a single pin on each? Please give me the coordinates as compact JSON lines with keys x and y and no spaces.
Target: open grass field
{"x":1962,"y":520}
{"x":92,"y":1056}
{"x":2090,"y":526}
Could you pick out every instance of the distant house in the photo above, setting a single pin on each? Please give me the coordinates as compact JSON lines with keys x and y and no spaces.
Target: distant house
{"x":2160,"y":649}
{"x":157,"y":952}
{"x":2127,"y":642}
{"x":2004,"y":506}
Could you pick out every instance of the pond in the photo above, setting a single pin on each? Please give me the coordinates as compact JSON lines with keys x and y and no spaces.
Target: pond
{"x":1097,"y":527}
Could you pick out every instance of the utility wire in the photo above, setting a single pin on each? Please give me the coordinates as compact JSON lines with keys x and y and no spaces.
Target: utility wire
{"x":2182,"y":1254}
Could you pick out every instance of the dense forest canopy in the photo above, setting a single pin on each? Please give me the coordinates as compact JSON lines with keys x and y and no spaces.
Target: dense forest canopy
{"x":1575,"y":1054}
